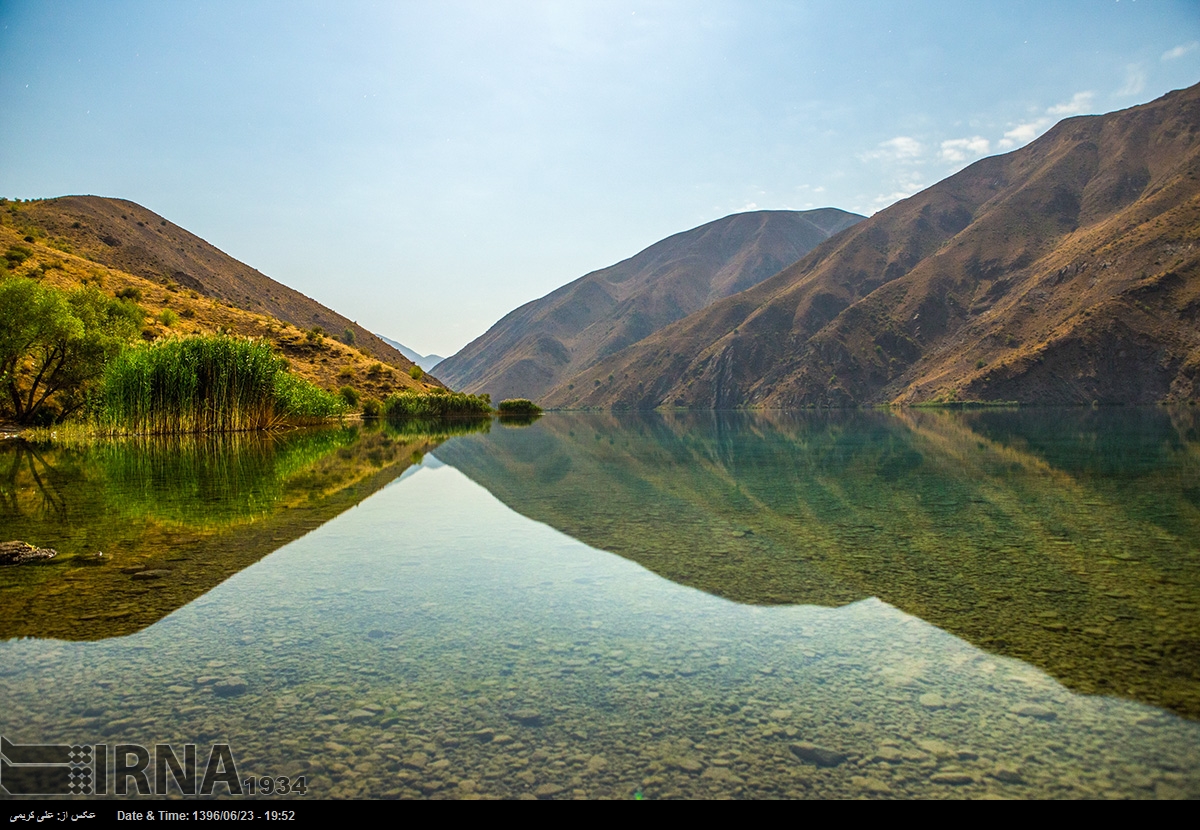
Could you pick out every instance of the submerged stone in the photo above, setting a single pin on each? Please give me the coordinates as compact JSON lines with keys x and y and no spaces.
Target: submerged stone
{"x":229,"y":687}
{"x":1033,"y":710}
{"x":527,"y":717}
{"x":818,"y":755}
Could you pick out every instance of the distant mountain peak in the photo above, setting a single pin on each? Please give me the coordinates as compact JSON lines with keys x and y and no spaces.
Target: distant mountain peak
{"x":1065,"y":272}
{"x":546,"y":341}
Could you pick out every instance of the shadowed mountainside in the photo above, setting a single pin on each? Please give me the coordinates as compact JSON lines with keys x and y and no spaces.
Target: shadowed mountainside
{"x":1009,"y":528}
{"x":547,"y":341}
{"x":1065,"y":272}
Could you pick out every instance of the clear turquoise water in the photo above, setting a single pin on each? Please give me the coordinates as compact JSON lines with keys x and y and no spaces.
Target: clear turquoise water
{"x":778,"y":584}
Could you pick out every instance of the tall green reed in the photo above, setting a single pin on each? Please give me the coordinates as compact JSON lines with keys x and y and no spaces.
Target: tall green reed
{"x":436,"y":405}
{"x":206,"y":384}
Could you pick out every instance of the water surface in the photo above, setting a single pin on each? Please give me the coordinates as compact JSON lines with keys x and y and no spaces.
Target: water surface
{"x":946,"y":604}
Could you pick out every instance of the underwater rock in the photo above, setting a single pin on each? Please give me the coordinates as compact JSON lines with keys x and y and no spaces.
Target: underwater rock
{"x":527,"y":717}
{"x":20,"y":553}
{"x":1033,"y":710}
{"x":818,"y":755}
{"x":230,"y":687}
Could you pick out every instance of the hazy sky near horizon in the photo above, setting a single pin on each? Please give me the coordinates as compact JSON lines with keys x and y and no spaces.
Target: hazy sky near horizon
{"x":426,"y":167}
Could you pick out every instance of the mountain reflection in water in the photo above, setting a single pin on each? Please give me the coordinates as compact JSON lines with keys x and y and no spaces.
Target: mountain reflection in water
{"x":144,"y":526}
{"x":1066,"y":538}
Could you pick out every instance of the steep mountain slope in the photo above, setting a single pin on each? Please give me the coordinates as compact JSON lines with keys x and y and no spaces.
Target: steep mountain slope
{"x":128,"y":237}
{"x":172,"y":309}
{"x":540,"y":344}
{"x":1064,"y":272}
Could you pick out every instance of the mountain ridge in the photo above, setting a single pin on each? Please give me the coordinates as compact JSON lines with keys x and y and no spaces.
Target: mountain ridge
{"x":425,"y":361}
{"x":1064,"y":272}
{"x":555,"y":336}
{"x":37,"y":248}
{"x":126,"y":236}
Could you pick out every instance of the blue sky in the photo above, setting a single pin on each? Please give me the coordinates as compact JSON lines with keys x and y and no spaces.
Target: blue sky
{"x":426,"y":167}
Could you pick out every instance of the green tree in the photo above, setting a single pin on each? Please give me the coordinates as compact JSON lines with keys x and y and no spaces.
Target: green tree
{"x":54,"y":345}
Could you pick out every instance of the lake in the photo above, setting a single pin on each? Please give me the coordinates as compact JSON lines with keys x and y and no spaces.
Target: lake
{"x":922,"y":603}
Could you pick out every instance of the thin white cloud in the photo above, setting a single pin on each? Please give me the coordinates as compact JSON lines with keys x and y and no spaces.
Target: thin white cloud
{"x":900,"y":148}
{"x":1180,"y":50}
{"x":1023,"y":133}
{"x":961,"y":149}
{"x":1080,"y":103}
{"x":1027,"y":131}
{"x":888,"y":199}
{"x":1135,"y":80}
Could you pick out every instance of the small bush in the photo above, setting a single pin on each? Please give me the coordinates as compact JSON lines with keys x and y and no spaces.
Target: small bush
{"x":16,"y":254}
{"x":130,"y":292}
{"x":167,"y":317}
{"x":348,"y":337}
{"x":188,"y":312}
{"x":315,"y":335}
{"x":375,"y":370}
{"x":345,"y":373}
{"x":416,"y":372}
{"x":518,"y":406}
{"x":349,"y":395}
{"x":372,"y":408}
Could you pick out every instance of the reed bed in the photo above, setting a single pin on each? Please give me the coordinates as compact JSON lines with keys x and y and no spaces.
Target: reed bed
{"x":436,"y":405}
{"x":207,"y":384}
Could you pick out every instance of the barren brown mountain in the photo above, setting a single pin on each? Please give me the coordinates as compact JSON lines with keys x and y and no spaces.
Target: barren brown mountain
{"x":1065,"y":272}
{"x":128,"y":237}
{"x":544,"y":342}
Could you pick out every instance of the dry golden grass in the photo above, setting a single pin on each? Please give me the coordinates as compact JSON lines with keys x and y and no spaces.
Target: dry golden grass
{"x":324,"y":361}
